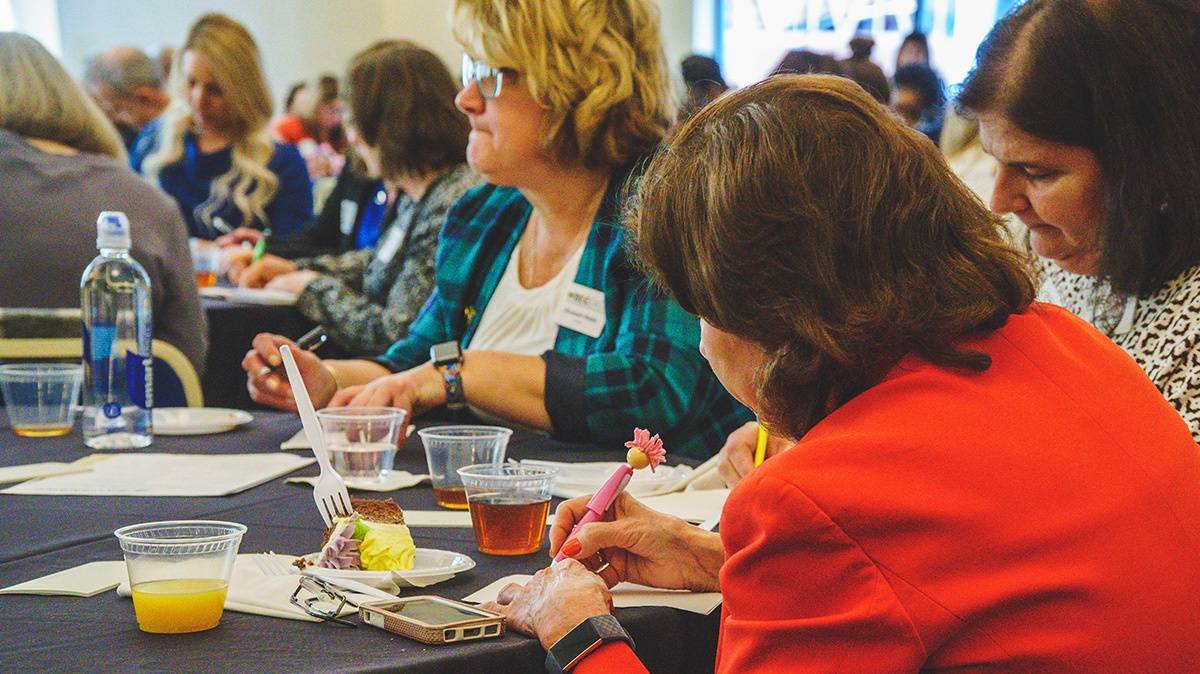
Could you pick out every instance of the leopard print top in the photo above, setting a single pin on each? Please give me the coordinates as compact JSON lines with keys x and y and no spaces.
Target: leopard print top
{"x":1161,"y":332}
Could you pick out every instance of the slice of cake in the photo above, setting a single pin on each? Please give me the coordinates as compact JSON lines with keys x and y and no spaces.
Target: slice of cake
{"x":373,"y":538}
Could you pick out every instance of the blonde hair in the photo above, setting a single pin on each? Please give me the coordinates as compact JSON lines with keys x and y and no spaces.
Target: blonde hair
{"x":596,"y":66}
{"x":237,"y":67}
{"x":38,"y":99}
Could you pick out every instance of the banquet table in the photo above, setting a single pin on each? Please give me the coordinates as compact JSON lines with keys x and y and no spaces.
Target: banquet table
{"x":46,"y":534}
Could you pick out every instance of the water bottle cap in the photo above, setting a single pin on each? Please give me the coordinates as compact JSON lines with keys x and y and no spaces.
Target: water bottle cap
{"x":112,"y":230}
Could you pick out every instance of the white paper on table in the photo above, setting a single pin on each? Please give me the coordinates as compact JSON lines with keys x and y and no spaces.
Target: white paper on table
{"x":694,"y":506}
{"x":437,"y":518}
{"x":625,"y":595}
{"x":33,"y":471}
{"x":300,"y":440}
{"x":168,"y":475}
{"x":84,"y":580}
{"x":397,"y":479}
{"x":249,"y":295}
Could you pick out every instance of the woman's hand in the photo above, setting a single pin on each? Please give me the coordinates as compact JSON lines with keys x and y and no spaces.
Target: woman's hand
{"x":268,"y":383}
{"x":293,"y":282}
{"x":415,"y":390}
{"x":239,"y":236}
{"x":737,"y":456}
{"x":553,"y":602}
{"x":639,"y":545}
{"x":259,"y":274}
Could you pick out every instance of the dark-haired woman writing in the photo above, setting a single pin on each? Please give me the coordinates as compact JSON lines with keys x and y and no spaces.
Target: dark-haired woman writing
{"x":982,"y":483}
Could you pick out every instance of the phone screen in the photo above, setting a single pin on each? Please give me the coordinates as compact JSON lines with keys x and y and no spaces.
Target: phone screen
{"x":432,"y":613}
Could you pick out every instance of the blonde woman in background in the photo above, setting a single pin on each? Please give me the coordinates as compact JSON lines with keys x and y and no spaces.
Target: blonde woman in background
{"x":61,"y":164}
{"x":213,"y":152}
{"x":538,"y":319}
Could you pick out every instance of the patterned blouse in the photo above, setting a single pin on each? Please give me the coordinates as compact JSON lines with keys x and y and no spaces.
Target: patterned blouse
{"x":1161,"y":332}
{"x":367,"y":298}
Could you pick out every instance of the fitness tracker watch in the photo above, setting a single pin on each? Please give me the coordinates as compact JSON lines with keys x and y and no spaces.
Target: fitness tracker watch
{"x":585,"y":638}
{"x":447,"y":358}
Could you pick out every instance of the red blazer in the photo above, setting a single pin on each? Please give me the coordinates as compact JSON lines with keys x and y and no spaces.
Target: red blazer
{"x":1042,"y":516}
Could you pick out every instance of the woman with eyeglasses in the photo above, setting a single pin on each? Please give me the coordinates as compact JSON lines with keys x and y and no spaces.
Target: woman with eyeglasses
{"x":538,"y":318}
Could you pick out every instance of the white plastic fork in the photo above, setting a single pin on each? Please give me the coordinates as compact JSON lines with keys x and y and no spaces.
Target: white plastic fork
{"x":330,"y":491}
{"x":271,"y":564}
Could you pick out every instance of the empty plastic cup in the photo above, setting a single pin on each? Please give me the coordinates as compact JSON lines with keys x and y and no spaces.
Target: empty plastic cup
{"x":448,"y":448}
{"x":179,"y":572}
{"x":40,"y":397}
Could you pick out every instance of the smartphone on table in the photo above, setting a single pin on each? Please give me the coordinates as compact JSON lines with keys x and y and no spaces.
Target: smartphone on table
{"x":432,"y":620}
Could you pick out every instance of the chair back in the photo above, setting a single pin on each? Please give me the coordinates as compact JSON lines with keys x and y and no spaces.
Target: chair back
{"x":30,"y":333}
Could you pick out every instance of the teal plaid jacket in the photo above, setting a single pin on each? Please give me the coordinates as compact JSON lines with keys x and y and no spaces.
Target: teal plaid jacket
{"x":644,"y":370}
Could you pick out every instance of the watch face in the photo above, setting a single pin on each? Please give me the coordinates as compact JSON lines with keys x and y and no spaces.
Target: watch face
{"x":446,"y":352}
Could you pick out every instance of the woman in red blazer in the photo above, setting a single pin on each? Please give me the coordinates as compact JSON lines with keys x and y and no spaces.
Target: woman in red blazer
{"x":983,"y":483}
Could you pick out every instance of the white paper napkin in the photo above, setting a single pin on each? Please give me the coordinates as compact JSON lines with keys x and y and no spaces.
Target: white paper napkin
{"x":437,"y":518}
{"x":625,"y":595}
{"x":397,"y":479}
{"x":694,"y":506}
{"x":84,"y":580}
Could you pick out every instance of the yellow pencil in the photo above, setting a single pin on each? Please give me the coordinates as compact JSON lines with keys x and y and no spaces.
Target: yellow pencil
{"x":760,"y":451}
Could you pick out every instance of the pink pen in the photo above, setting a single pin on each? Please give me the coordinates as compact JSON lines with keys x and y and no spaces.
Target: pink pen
{"x":643,"y":451}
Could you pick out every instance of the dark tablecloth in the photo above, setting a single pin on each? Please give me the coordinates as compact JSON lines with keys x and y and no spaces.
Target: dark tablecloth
{"x":45,"y":534}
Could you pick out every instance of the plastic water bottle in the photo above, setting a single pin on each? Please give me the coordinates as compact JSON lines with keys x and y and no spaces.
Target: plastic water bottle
{"x":118,"y":387}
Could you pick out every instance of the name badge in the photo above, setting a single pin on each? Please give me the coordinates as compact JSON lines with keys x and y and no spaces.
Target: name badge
{"x":346,"y":215}
{"x":386,"y":250}
{"x":581,"y":309}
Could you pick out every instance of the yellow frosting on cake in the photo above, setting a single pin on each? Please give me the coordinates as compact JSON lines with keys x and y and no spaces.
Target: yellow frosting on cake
{"x":387,"y":547}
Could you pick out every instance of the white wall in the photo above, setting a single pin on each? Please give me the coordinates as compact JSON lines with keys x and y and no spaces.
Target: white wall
{"x":299,"y":38}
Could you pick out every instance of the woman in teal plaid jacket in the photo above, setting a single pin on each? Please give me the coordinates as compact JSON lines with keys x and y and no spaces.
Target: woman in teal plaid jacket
{"x":538,"y":318}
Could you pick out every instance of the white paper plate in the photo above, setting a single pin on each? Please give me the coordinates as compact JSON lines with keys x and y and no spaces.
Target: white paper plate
{"x":429,"y":566}
{"x":577,"y":479}
{"x":197,"y":420}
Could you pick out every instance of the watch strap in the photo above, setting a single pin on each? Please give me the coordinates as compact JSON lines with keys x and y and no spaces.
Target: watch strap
{"x":456,"y":398}
{"x":586,"y":637}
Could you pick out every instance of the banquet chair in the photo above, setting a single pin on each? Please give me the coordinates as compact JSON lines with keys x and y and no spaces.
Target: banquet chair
{"x":176,"y":383}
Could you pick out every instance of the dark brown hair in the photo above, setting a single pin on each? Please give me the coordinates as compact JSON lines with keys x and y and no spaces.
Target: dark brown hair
{"x":801,"y":216}
{"x":1124,"y":82}
{"x":402,"y":99}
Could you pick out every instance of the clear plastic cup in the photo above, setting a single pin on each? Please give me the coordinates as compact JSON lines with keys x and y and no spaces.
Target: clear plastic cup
{"x":179,"y":572}
{"x":448,"y":448}
{"x":362,"y":441}
{"x":206,"y":261}
{"x":40,"y":397}
{"x":508,"y":504}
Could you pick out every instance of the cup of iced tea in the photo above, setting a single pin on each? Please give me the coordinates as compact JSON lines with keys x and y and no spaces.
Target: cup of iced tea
{"x":206,"y":261}
{"x":179,"y":572}
{"x":362,"y":441}
{"x":508,"y":504}
{"x":40,"y":397}
{"x":448,"y":448}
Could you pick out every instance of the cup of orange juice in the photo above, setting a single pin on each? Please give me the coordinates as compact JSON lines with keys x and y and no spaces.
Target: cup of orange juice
{"x":179,"y":572}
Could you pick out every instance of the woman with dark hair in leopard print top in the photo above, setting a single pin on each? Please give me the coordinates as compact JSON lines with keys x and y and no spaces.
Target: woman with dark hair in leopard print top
{"x":1093,"y":111}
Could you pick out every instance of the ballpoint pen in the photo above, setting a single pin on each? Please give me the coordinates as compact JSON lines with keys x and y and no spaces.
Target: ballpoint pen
{"x":308,"y":341}
{"x":260,"y":248}
{"x":643,"y":451}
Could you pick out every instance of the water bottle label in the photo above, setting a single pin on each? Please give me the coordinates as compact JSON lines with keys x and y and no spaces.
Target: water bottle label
{"x":101,"y":341}
{"x":139,"y":382}
{"x":112,"y":410}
